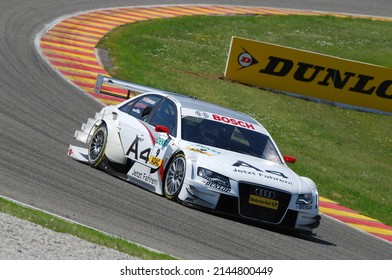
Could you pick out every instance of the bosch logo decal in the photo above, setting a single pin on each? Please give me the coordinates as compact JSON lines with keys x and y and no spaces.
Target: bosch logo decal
{"x":265,"y":193}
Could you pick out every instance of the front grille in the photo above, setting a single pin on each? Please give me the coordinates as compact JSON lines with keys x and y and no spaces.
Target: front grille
{"x":263,"y":203}
{"x":227,"y":204}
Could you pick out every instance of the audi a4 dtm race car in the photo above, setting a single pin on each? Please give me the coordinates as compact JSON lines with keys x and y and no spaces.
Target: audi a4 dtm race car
{"x":196,"y":153}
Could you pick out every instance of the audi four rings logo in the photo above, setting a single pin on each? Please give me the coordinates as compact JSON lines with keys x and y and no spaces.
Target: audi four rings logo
{"x":200,"y":114}
{"x":265,"y":193}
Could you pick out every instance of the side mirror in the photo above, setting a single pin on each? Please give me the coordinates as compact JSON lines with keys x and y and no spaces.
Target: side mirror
{"x":162,"y":128}
{"x":289,"y":159}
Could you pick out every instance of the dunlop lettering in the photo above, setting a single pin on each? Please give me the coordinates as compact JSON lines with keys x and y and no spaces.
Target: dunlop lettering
{"x":383,"y":90}
{"x":320,"y":76}
{"x":307,"y":73}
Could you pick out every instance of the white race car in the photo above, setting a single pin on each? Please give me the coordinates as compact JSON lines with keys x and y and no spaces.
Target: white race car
{"x":199,"y":154}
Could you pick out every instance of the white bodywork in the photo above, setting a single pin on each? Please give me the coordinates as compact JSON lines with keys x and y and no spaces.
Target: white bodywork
{"x":257,"y":189}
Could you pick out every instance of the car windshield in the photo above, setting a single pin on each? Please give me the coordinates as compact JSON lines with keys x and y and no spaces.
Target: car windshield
{"x":228,"y":137}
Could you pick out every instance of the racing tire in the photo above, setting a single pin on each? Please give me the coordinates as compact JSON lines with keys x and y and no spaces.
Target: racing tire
{"x":174,"y":178}
{"x":96,"y":149}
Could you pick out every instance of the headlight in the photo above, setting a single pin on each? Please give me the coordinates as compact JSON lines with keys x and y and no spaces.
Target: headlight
{"x":305,"y":199}
{"x":214,"y":179}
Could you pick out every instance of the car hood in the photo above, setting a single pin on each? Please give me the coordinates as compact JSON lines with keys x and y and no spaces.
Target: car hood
{"x":246,"y":168}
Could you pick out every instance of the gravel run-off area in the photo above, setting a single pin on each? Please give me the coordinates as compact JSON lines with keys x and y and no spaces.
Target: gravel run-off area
{"x":23,"y":240}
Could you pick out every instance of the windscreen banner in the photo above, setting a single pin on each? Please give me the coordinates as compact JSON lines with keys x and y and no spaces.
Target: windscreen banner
{"x":340,"y":81}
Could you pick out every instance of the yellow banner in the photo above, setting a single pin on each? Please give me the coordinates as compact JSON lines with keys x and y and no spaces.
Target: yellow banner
{"x":310,"y":74}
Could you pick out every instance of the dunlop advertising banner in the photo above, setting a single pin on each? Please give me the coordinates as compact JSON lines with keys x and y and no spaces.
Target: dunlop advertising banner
{"x":310,"y":74}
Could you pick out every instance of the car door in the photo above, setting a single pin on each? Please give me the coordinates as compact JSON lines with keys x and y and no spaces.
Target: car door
{"x":164,"y":120}
{"x":136,"y":136}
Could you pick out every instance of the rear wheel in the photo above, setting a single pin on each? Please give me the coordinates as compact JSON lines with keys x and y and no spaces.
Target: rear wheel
{"x":175,"y":176}
{"x":96,"y":149}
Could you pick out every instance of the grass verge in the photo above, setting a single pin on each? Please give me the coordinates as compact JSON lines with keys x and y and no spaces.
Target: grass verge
{"x":59,"y":225}
{"x":346,"y":152}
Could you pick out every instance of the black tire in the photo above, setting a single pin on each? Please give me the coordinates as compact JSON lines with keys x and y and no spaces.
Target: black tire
{"x":174,"y":178}
{"x":96,"y":149}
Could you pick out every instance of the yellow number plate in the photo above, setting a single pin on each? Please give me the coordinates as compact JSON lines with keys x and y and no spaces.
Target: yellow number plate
{"x":155,"y":161}
{"x":263,"y":202}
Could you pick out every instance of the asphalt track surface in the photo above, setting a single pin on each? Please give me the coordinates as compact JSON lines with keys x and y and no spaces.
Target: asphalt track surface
{"x":39,"y":112}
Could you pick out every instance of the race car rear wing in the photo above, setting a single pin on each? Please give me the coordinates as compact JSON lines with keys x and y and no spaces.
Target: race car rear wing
{"x":120,"y":89}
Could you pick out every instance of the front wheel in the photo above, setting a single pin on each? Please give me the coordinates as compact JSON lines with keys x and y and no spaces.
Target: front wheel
{"x":96,"y":149}
{"x":175,"y":176}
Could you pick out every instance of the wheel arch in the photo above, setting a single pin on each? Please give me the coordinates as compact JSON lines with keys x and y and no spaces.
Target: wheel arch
{"x":114,"y":151}
{"x":167,"y":169}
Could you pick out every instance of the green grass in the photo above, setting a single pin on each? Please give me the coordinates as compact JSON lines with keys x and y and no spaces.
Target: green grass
{"x":83,"y":232}
{"x":347,"y":153}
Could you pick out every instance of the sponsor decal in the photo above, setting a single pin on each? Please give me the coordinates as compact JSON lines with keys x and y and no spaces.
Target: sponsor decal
{"x":245,"y":59}
{"x":136,"y":110}
{"x":145,"y":177}
{"x":222,"y":118}
{"x":210,"y":149}
{"x":263,"y":202}
{"x":201,"y":149}
{"x":164,"y":142}
{"x":217,"y":185}
{"x":310,"y":74}
{"x":233,"y":121}
{"x":155,"y":161}
{"x":261,"y":173}
{"x":149,"y":100}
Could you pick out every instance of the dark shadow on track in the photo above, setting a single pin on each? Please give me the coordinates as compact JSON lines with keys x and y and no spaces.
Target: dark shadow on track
{"x":311,"y":237}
